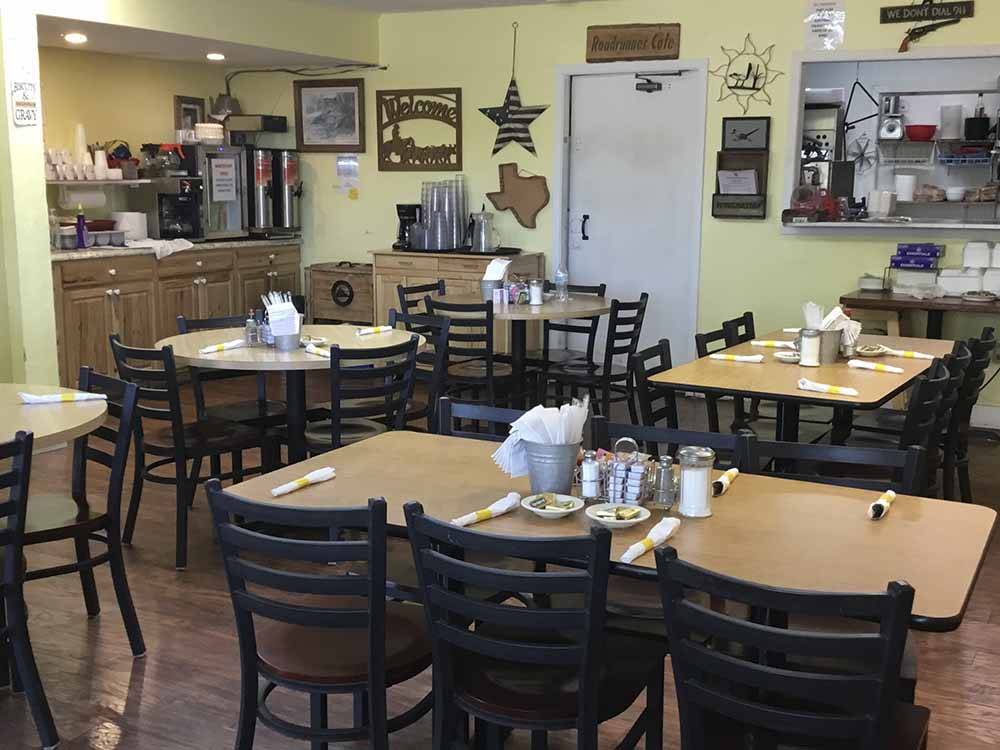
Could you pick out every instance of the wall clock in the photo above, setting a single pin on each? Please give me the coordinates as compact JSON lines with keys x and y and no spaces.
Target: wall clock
{"x":746,"y":133}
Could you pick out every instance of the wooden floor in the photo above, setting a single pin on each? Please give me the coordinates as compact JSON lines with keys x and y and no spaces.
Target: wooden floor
{"x":184,"y":693}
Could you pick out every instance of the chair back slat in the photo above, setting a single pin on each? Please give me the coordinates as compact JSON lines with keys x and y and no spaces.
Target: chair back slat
{"x":738,"y":449}
{"x":411,"y":298}
{"x":13,"y":511}
{"x":802,"y":687}
{"x":584,"y":326}
{"x":471,"y":335}
{"x":922,"y":410}
{"x":739,"y":330}
{"x":453,"y":415}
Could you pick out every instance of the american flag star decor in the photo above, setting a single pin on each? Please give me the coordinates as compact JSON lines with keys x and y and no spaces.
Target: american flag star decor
{"x":513,"y":119}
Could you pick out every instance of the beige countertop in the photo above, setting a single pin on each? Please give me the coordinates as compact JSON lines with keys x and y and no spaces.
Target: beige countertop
{"x":121,"y":252}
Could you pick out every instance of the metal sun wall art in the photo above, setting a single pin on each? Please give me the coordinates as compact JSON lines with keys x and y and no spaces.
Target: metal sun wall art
{"x":746,"y":74}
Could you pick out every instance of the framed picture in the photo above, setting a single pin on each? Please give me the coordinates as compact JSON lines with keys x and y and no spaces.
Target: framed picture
{"x":330,"y":115}
{"x":746,"y":133}
{"x":188,"y":110}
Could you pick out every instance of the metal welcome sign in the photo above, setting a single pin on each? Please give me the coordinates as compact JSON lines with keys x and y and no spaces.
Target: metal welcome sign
{"x":406,"y":117}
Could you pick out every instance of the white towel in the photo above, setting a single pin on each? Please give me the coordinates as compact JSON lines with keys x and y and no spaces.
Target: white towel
{"x":774,"y":344}
{"x":58,"y":398}
{"x":790,"y":330}
{"x":755,"y":358}
{"x":318,"y":351}
{"x":234,"y":344}
{"x":907,"y":354}
{"x":808,"y":385}
{"x":165,"y":248}
{"x":720,"y":485}
{"x":498,"y":508}
{"x":313,"y":477}
{"x":371,"y":331}
{"x":656,"y":536}
{"x":880,"y":507}
{"x":860,"y":364}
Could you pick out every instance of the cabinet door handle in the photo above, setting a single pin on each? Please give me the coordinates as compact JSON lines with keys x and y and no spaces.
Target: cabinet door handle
{"x":204,"y":280}
{"x":113,"y":271}
{"x":199,"y":263}
{"x":406,"y":263}
{"x":118,"y":292}
{"x":109,"y":292}
{"x":272,"y":256}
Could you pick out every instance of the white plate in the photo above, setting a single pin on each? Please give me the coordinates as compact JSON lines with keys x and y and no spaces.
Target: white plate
{"x":791,"y":358}
{"x":592,"y":509}
{"x":552,"y":513}
{"x":871,"y":350}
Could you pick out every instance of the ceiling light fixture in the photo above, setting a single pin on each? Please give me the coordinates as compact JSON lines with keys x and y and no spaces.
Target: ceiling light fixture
{"x":215,"y":56}
{"x":75,"y":37}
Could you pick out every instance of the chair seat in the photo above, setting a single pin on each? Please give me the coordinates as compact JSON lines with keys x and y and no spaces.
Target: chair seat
{"x":556,"y":356}
{"x":324,"y":656}
{"x":249,"y":412}
{"x":57,"y":516}
{"x":205,"y":437}
{"x":582,"y":371}
{"x":475,"y":369}
{"x":534,"y":693}
{"x":352,"y":430}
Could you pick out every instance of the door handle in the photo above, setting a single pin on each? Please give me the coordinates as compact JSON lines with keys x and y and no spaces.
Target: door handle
{"x":583,"y":227}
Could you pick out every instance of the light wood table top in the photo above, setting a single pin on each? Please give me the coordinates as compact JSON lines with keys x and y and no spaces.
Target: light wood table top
{"x":186,"y":348}
{"x":51,"y":423}
{"x":774,"y":531}
{"x":777,"y":380}
{"x":581,"y":306}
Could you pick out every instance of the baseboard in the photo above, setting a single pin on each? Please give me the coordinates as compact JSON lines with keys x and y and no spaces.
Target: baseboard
{"x":987,"y":417}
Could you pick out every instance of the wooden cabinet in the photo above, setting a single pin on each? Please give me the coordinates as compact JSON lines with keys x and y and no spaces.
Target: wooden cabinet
{"x":461,"y":274}
{"x":139,"y":298}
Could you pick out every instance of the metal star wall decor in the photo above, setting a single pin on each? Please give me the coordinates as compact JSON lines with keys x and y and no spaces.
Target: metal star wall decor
{"x":513,"y":118}
{"x":746,"y":75}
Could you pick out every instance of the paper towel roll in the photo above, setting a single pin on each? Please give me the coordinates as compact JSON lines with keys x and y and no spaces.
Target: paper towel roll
{"x":906,"y":185}
{"x":951,"y":121}
{"x":133,"y":223}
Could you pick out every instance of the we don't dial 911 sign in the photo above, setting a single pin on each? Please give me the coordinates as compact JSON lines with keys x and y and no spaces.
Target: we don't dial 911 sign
{"x":927,"y":12}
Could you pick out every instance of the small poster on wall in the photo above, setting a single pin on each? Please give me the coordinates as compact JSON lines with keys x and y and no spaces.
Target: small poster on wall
{"x":24,"y":103}
{"x":825,"y":23}
{"x":223,"y":180}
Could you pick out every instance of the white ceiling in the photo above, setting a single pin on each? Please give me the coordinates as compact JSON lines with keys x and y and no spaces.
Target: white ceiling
{"x":404,"y":6}
{"x":157,"y":45}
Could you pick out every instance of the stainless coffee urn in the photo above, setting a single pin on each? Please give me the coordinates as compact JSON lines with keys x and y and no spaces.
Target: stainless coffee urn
{"x":260,"y":189}
{"x":287,"y":191}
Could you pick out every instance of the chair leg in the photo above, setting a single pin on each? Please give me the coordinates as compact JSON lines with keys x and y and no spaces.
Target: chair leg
{"x":194,"y":476}
{"x":124,"y":595}
{"x":27,"y":671}
{"x":964,"y":481}
{"x":237,"y":461}
{"x":654,"y":709}
{"x":539,"y":740}
{"x":948,"y":472}
{"x":133,"y":504}
{"x":215,"y":465}
{"x":247,"y":726}
{"x":5,"y":661}
{"x":181,"y":494}
{"x":360,"y":707}
{"x":318,"y":717}
{"x":633,"y":412}
{"x":90,"y":597}
{"x":712,"y":407}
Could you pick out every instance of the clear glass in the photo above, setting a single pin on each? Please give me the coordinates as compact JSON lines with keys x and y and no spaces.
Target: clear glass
{"x":663,"y":484}
{"x":561,"y":279}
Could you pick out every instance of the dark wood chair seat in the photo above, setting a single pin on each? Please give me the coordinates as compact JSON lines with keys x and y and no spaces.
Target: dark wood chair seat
{"x":340,"y":657}
{"x":547,"y":692}
{"x":210,"y":436}
{"x":537,"y":358}
{"x":58,"y":517}
{"x":253,"y":412}
{"x":475,"y":369}
{"x":319,"y":434}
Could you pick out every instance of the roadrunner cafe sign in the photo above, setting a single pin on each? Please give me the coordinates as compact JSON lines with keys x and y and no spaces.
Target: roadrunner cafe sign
{"x":419,"y":130}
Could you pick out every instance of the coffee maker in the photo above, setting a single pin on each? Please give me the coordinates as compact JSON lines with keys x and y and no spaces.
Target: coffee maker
{"x":258,"y":167}
{"x":408,"y":215}
{"x":287,"y":189}
{"x":172,"y":206}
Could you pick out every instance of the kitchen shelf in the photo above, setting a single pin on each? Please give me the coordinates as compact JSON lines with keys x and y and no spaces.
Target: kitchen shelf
{"x":124,"y":183}
{"x":953,"y":160}
{"x":913,"y":154}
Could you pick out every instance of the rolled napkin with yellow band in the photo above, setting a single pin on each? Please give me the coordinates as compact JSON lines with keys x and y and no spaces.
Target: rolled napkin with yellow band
{"x":656,"y":536}
{"x":372,"y":330}
{"x":313,"y":477}
{"x":318,"y":351}
{"x":720,"y":485}
{"x":774,"y":344}
{"x":907,"y":354}
{"x":59,"y":398}
{"x":880,"y":508}
{"x":234,"y":344}
{"x":808,"y":385}
{"x":498,"y":508}
{"x":754,"y":358}
{"x":860,"y":364}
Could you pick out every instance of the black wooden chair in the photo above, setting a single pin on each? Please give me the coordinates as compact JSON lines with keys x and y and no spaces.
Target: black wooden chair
{"x":312,"y":618}
{"x":15,"y":645}
{"x":259,"y":411}
{"x":71,"y":517}
{"x":453,"y":417}
{"x":365,"y":399}
{"x":411,"y":298}
{"x":548,"y":356}
{"x":607,"y":382}
{"x":657,"y":404}
{"x":474,"y":372}
{"x":529,"y":667}
{"x":956,"y":443}
{"x":161,"y":433}
{"x":432,"y":364}
{"x":742,"y":330}
{"x":762,"y":684}
{"x":732,"y":332}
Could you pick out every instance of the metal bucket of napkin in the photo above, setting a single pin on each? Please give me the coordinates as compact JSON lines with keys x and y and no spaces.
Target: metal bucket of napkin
{"x":551,"y":467}
{"x":829,"y":347}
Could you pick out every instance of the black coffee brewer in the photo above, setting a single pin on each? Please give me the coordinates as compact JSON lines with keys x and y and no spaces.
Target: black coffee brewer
{"x":408,"y":215}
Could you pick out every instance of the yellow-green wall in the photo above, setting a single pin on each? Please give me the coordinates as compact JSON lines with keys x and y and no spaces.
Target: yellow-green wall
{"x":746,"y":265}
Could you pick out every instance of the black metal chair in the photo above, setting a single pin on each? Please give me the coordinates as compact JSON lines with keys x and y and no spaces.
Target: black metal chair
{"x":71,"y":517}
{"x":312,"y":618}
{"x":411,"y":298}
{"x":532,"y":667}
{"x":657,"y":404}
{"x":22,"y":675}
{"x":452,"y":416}
{"x":170,"y":441}
{"x":432,"y":363}
{"x":607,"y":382}
{"x":582,"y":326}
{"x":761,"y":682}
{"x":259,"y":411}
{"x":365,"y":399}
{"x":742,"y":330}
{"x":956,"y":443}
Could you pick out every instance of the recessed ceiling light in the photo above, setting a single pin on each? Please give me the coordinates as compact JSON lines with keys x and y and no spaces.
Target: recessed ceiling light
{"x":75,"y":37}
{"x":215,"y":56}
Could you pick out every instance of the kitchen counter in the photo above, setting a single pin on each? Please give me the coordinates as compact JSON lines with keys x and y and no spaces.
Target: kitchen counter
{"x":92,"y":253}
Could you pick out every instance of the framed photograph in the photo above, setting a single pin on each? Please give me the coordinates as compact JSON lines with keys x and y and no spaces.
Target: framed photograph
{"x":746,"y":133}
{"x":188,"y":110}
{"x":330,"y":115}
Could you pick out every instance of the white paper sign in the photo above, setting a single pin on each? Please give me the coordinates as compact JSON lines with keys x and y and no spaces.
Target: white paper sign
{"x":24,"y":103}
{"x":223,"y":180}
{"x":738,"y":181}
{"x":825,"y":21}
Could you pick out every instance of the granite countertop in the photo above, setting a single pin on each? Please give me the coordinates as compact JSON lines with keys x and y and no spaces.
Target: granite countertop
{"x":94,"y":253}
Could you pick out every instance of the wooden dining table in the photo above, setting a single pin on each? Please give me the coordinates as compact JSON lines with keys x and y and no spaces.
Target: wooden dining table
{"x":774,"y":380}
{"x":294,"y":364}
{"x":51,"y":424}
{"x":768,"y":530}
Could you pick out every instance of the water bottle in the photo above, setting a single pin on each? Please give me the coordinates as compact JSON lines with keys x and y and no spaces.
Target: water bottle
{"x":562,"y":284}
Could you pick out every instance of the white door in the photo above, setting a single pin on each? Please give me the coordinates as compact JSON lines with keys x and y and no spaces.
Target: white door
{"x":634,"y":205}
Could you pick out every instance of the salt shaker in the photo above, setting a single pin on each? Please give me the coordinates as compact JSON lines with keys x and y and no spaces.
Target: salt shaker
{"x":590,"y":477}
{"x":809,"y":347}
{"x":664,"y":484}
{"x":696,"y":481}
